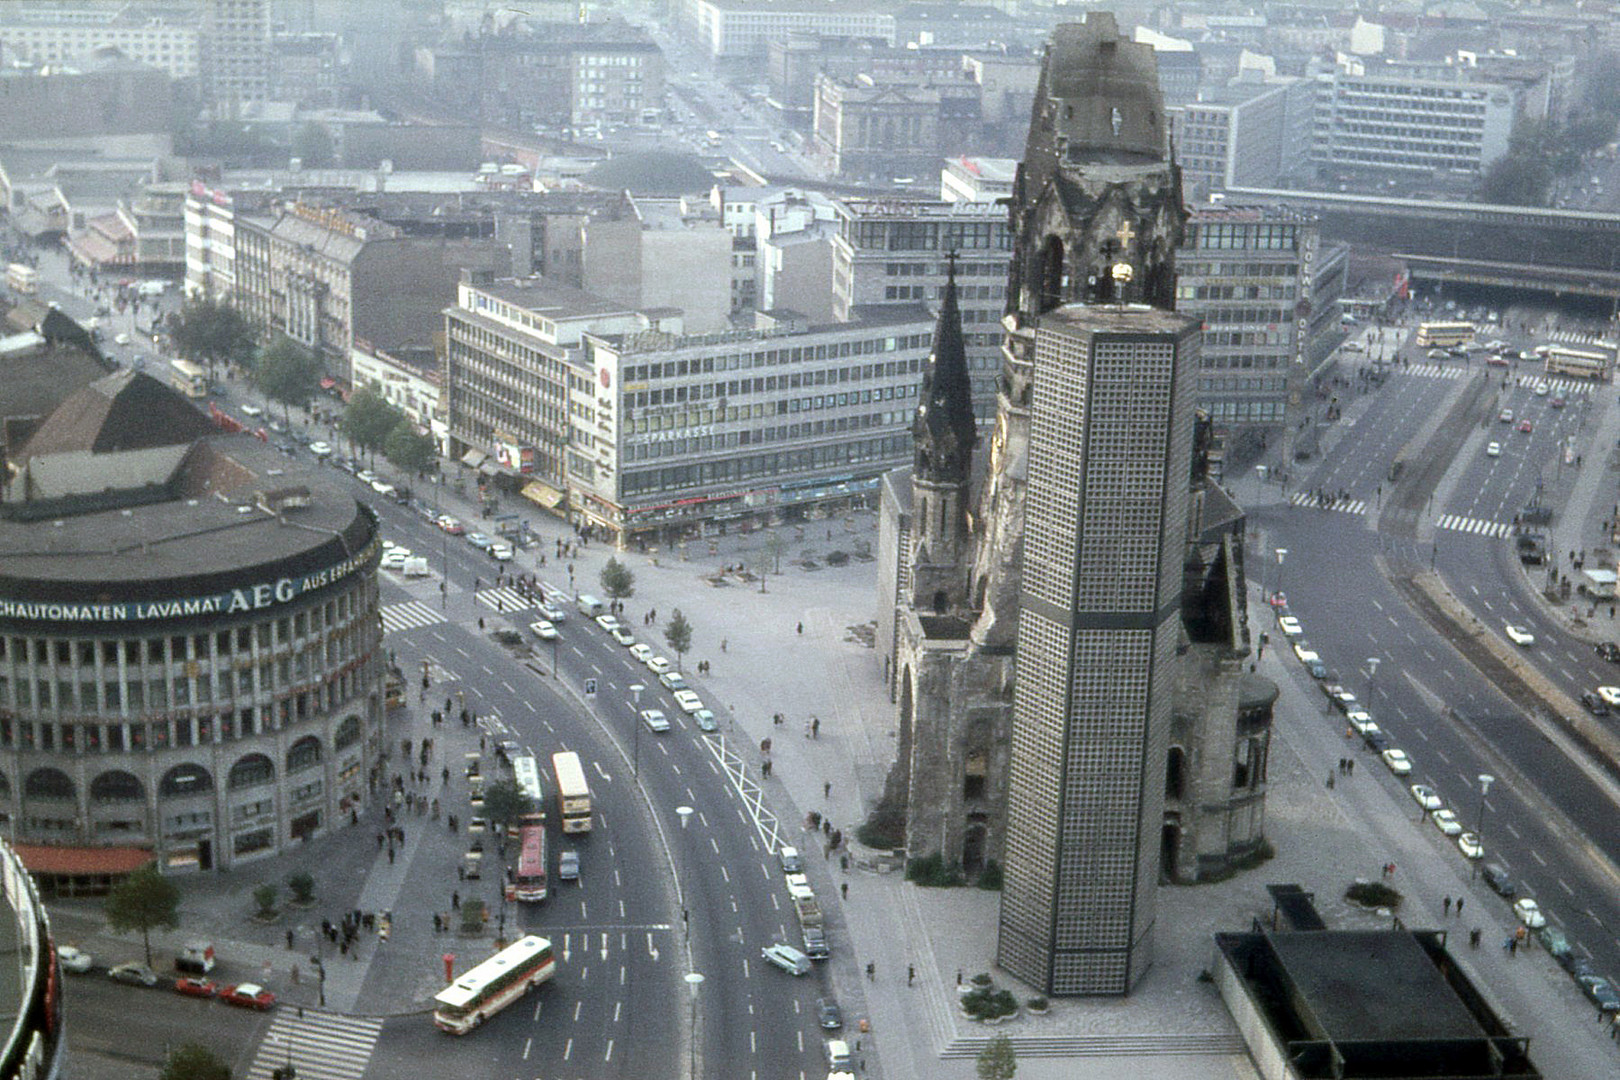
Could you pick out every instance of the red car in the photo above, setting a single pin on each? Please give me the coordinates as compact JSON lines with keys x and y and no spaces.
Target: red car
{"x":248,"y":996}
{"x":195,"y":987}
{"x":1524,"y":426}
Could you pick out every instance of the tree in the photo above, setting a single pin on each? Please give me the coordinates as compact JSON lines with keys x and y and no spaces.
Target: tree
{"x":302,"y":886}
{"x":212,"y":333}
{"x":1518,"y":180}
{"x":679,"y":635}
{"x":143,"y":900}
{"x":618,"y":581}
{"x":409,"y":449}
{"x":312,"y":146}
{"x":1603,"y":84}
{"x":191,"y":1061}
{"x":504,"y":804}
{"x":265,"y":896}
{"x":998,"y":1060}
{"x":368,"y":420}
{"x":287,"y":372}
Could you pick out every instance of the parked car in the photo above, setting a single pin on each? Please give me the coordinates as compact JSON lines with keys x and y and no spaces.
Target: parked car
{"x":248,"y":996}
{"x":1445,"y":819}
{"x":688,"y":701}
{"x":1529,"y":913}
{"x":1426,"y":796}
{"x":787,"y":958}
{"x":705,"y":721}
{"x":1594,"y":704}
{"x":828,"y":1014}
{"x":1497,"y":878}
{"x":622,"y":635}
{"x":72,"y":959}
{"x":1470,"y":846}
{"x":1609,"y":651}
{"x":135,"y":974}
{"x":1398,"y":762}
{"x":196,"y":986}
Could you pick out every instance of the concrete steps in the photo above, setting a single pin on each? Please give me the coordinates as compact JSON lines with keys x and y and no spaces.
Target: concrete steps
{"x":1050,"y":1046}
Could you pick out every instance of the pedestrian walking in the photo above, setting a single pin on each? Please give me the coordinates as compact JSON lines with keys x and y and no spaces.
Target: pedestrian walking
{"x":911,"y":974}
{"x":801,"y":629}
{"x":826,"y":789}
{"x":815,"y":727}
{"x":843,"y":889}
{"x":455,"y":901}
{"x":1459,"y":907}
{"x":1447,"y":905}
{"x":289,"y":939}
{"x":871,"y":971}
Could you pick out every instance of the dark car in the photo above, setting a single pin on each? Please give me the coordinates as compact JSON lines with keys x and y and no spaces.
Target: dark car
{"x":1376,"y":741}
{"x":1496,"y":876}
{"x":831,"y":1017}
{"x":1600,"y":992}
{"x":1594,"y":704}
{"x":1577,"y":965}
{"x":1317,"y":669}
{"x":1609,"y":651}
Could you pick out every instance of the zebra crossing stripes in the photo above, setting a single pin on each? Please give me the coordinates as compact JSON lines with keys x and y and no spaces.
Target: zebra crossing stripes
{"x":1477,"y":526}
{"x":409,"y":615}
{"x":1438,"y":371}
{"x":1342,"y":506}
{"x":1558,"y":387}
{"x":504,"y":598}
{"x":1579,"y":337}
{"x":319,"y":1045}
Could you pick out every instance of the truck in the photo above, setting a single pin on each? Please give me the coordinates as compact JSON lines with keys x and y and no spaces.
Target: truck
{"x":195,"y":958}
{"x":808,"y":910}
{"x":415,"y":566}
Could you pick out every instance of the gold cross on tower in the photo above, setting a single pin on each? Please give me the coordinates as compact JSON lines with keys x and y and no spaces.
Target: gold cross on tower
{"x":1126,"y":235}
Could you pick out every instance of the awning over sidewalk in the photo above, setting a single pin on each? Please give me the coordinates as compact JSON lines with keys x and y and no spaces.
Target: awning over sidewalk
{"x":544,"y":494}
{"x":489,"y":468}
{"x":49,"y":859}
{"x":473,"y":458}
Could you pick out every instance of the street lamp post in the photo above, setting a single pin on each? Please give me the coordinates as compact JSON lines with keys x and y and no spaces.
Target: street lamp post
{"x":635,"y":736}
{"x":693,"y":981}
{"x":1485,"y":782}
{"x":1372,"y":673}
{"x":1282,"y":553}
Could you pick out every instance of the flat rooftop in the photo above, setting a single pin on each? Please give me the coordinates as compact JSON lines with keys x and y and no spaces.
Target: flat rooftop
{"x":1363,"y":985}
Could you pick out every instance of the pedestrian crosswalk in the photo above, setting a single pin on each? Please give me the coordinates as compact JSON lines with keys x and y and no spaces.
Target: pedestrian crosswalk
{"x":504,"y":598}
{"x":319,"y":1045}
{"x":1579,"y":337}
{"x":1558,"y":387}
{"x":1477,"y":526}
{"x":409,"y":615}
{"x":1343,"y":506}
{"x":1438,"y":371}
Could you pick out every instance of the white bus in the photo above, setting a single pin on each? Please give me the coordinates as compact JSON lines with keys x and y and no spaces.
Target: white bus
{"x":573,"y":793}
{"x":188,"y":378}
{"x":1581,"y":363}
{"x":22,"y":278}
{"x":493,"y":985}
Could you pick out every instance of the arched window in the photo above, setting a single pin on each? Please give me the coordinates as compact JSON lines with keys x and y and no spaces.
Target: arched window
{"x":250,"y":770}
{"x":304,"y":754}
{"x":183,"y":780}
{"x":1052,"y":277}
{"x":116,"y":786}
{"x":348,"y":733}
{"x":49,"y":784}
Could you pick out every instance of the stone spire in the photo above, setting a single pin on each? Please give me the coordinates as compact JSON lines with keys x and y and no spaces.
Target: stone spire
{"x":944,"y":429}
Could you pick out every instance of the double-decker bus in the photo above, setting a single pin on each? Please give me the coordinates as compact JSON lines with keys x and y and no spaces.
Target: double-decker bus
{"x":188,"y":378}
{"x":528,"y":878}
{"x":493,"y":985}
{"x":573,"y":794}
{"x":1443,"y":334}
{"x":22,"y":278}
{"x":1581,"y":363}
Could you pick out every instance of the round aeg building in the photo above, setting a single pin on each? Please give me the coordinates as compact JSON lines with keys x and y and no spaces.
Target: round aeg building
{"x":190,"y":648}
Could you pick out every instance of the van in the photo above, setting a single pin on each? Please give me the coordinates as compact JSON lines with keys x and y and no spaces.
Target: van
{"x":787,"y":958}
{"x":415,"y":566}
{"x":195,"y":958}
{"x":837,"y":1054}
{"x":589,"y":605}
{"x":788,"y":857}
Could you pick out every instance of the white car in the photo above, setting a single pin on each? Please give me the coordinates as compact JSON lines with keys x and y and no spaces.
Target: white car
{"x":1446,"y":821}
{"x":121,"y":339}
{"x":641,"y":651}
{"x":655,"y":720}
{"x":543,"y":630}
{"x":1519,"y":635}
{"x":609,"y":623}
{"x":1506,"y":416}
{"x":501,"y":551}
{"x":1493,"y":449}
{"x":72,"y":959}
{"x":383,"y":487}
{"x":365,"y":476}
{"x":552,"y":611}
{"x":657,"y":665}
{"x":1305,"y":653}
{"x":1398,"y":762}
{"x":1470,"y":846}
{"x":1529,"y":913}
{"x":1610,"y":695}
{"x":1542,"y":389}
{"x":320,"y":449}
{"x":247,"y":410}
{"x":1426,"y":797}
{"x":688,"y":700}
{"x":622,"y":635}
{"x":395,"y":558}
{"x":1290,"y":626}
{"x":673,"y":680}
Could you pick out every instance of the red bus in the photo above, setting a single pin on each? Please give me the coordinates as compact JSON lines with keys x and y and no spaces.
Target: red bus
{"x":528,"y":880}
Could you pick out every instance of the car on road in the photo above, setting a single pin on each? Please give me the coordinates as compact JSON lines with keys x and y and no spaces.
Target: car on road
{"x":673,"y":680}
{"x":480,"y":541}
{"x":1610,"y":696}
{"x":501,"y":551}
{"x":1469,"y":845}
{"x":655,"y":720}
{"x":1609,"y":651}
{"x":73,"y":960}
{"x":1594,"y":704}
{"x":1375,"y":739}
{"x":1426,"y":796}
{"x":1558,"y":402}
{"x":1361,"y":721}
{"x":688,"y":700}
{"x":1290,"y":626}
{"x":542,"y":629}
{"x":787,"y":958}
{"x":1506,"y":416}
{"x":1306,"y":654}
{"x":1437,"y":354}
{"x":1341,"y":699}
{"x":1526,"y":426}
{"x":641,"y":651}
{"x":134,"y":974}
{"x":568,"y":865}
{"x":451,"y":525}
{"x":1398,"y":762}
{"x":1542,"y":389}
{"x":657,"y":665}
{"x":1446,"y":821}
{"x":828,"y":1015}
{"x":551,"y":611}
{"x":1317,"y":670}
{"x":1493,"y":449}
{"x":607,"y":622}
{"x":1519,"y":635}
{"x":248,"y":996}
{"x":196,"y":986}
{"x":1529,"y":912}
{"x":320,"y":449}
{"x":1499,"y":881}
{"x":1600,"y":991}
{"x":365,"y":476}
{"x":121,"y":339}
{"x":622,"y":635}
{"x":395,"y":558}
{"x":705,"y":721}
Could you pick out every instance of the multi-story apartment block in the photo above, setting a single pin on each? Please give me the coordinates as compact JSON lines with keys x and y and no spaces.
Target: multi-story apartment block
{"x":740,"y":29}
{"x":235,"y":56}
{"x":1248,"y":273}
{"x":414,"y":387}
{"x":1246,"y":134}
{"x":866,"y":129}
{"x":793,"y":242}
{"x":891,"y":251}
{"x":39,"y":35}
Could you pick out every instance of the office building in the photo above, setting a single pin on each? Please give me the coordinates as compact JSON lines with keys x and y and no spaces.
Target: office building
{"x":36,"y":35}
{"x":1244,"y":134}
{"x":235,"y":55}
{"x":738,"y":30}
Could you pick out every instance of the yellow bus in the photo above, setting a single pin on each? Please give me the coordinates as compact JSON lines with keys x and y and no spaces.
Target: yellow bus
{"x":188,"y":378}
{"x":573,"y":793}
{"x":1581,"y":363}
{"x":1443,"y":334}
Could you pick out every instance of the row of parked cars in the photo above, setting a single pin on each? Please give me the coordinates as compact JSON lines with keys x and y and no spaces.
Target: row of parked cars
{"x":197,"y":984}
{"x":1598,"y":989}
